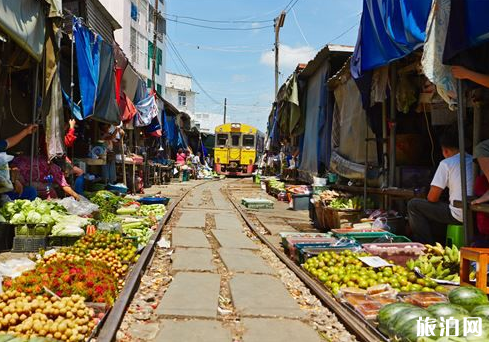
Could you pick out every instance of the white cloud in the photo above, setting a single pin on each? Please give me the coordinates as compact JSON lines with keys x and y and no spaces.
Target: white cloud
{"x":289,"y":56}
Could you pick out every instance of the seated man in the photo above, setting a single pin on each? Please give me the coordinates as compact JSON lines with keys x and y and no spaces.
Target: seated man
{"x":429,"y":217}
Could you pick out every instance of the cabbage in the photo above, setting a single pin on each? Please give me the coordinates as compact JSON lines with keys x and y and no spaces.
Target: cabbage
{"x":33,"y":217}
{"x":2,"y":219}
{"x":18,"y":218}
{"x":24,"y":230}
{"x":47,"y":219}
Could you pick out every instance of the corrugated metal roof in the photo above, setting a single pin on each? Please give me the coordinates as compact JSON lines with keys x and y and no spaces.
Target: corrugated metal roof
{"x":328,"y":51}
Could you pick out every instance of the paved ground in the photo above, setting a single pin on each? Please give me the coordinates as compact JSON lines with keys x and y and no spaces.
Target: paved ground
{"x":189,"y":309}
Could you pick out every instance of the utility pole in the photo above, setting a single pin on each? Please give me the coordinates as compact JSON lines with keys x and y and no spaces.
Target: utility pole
{"x":225,"y":108}
{"x":278,"y":23}
{"x":155,"y":48}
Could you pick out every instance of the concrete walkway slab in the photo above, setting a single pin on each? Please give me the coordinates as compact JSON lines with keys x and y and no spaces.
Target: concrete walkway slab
{"x":188,"y":237}
{"x":244,"y":261}
{"x":192,"y":259}
{"x":191,"y":219}
{"x":192,"y":295}
{"x":273,"y":330}
{"x":233,"y":239}
{"x":192,"y":331}
{"x":262,"y":295}
{"x":227,"y":221}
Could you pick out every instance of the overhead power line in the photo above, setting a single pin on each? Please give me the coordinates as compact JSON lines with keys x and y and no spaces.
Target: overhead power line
{"x":186,"y":67}
{"x":218,"y":21}
{"x":300,"y":29}
{"x":290,"y":5}
{"x":220,"y":28}
{"x":343,"y":33}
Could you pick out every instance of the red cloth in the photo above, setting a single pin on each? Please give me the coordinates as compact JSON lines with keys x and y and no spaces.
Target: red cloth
{"x":480,"y":188}
{"x":119,"y":72}
{"x":70,"y":137}
{"x":127,"y":108}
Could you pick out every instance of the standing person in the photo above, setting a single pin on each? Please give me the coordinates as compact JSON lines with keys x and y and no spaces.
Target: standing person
{"x":109,"y":135}
{"x":482,"y":149}
{"x":181,"y":156}
{"x":5,"y":144}
{"x":429,"y":217}
{"x":196,"y":160}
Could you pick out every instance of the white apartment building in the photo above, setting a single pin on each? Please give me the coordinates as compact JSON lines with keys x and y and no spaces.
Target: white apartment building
{"x":207,"y":122}
{"x":179,"y":93}
{"x":136,"y":36}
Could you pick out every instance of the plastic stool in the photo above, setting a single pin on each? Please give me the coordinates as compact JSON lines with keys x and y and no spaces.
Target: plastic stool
{"x":481,"y":257}
{"x":455,"y":235}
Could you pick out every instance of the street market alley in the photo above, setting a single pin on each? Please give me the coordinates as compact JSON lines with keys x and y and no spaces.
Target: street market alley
{"x":218,"y":282}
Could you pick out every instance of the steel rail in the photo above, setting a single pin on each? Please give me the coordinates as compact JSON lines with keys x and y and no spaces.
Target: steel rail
{"x":354,"y":324}
{"x":108,"y":331}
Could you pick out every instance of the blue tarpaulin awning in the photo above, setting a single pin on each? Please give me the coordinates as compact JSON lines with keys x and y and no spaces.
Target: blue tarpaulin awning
{"x":389,"y":30}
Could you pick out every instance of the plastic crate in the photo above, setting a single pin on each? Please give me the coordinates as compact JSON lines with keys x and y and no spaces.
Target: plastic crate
{"x":63,"y":241}
{"x":31,"y":230}
{"x":257,"y":203}
{"x":292,"y":243}
{"x":312,"y":251}
{"x":7,"y":232}
{"x":300,"y":201}
{"x":372,"y":237}
{"x":398,"y":252}
{"x":26,"y":244}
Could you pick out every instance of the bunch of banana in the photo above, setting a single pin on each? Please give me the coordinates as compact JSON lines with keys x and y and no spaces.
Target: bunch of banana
{"x":439,"y":263}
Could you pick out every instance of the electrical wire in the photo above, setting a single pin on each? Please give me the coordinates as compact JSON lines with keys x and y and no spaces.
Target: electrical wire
{"x":10,"y":100}
{"x":238,"y":21}
{"x":233,"y":49}
{"x":185,"y":66}
{"x":220,"y":28}
{"x":287,"y":10}
{"x":299,"y":27}
{"x":343,"y":33}
{"x":431,"y":136}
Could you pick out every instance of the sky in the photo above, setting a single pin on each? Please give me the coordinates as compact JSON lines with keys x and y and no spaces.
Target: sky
{"x":239,"y":65}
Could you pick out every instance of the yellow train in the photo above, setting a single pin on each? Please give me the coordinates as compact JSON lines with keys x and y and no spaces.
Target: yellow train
{"x":237,"y":149}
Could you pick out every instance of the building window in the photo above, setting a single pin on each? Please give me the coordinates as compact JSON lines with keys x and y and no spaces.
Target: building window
{"x":159,"y":57}
{"x":134,"y":46}
{"x":158,"y":88}
{"x":182,"y":98}
{"x":134,"y":11}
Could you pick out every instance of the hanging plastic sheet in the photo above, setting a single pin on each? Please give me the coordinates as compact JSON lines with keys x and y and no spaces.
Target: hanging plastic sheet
{"x":389,"y":30}
{"x":127,"y":108}
{"x":273,"y":137}
{"x":88,"y":61}
{"x":468,"y":27}
{"x":24,"y":21}
{"x":106,"y":108}
{"x":146,"y":111}
{"x":290,"y":117}
{"x":164,"y":123}
{"x":55,"y":121}
{"x":172,"y":134}
{"x":130,"y":81}
{"x":181,"y":143}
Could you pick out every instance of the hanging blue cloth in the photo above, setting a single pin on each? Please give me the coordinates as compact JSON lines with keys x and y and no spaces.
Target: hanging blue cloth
{"x":172,"y":135}
{"x":181,"y":141}
{"x":164,"y":123}
{"x":88,"y":60}
{"x":203,"y":150}
{"x":77,"y":112}
{"x":274,"y":133}
{"x":389,"y":30}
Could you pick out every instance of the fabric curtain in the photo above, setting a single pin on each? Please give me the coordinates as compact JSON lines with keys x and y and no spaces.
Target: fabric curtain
{"x":130,"y":82}
{"x":433,"y":67}
{"x":24,"y":22}
{"x":88,"y":60}
{"x":106,"y":108}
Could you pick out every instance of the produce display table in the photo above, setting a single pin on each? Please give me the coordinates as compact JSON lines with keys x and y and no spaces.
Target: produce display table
{"x":481,"y":257}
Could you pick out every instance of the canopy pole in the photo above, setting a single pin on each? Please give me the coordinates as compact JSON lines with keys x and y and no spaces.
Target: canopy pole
{"x":393,"y":126}
{"x":463,"y":169}
{"x":34,"y":115}
{"x":366,"y":164}
{"x":385,"y":159}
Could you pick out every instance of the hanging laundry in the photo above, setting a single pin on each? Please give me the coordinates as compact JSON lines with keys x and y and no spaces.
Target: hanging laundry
{"x":147,"y":110}
{"x":130,"y":81}
{"x":55,"y":121}
{"x":432,"y":64}
{"x":127,"y":108}
{"x":154,"y":128}
{"x":106,"y":108}
{"x":88,"y":61}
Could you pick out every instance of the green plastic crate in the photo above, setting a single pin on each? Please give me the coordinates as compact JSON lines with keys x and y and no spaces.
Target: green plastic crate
{"x":371,"y":237}
{"x":63,"y":241}
{"x":257,"y":203}
{"x":27,"y":244}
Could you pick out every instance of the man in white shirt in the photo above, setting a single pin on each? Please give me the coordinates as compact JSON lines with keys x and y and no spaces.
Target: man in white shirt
{"x":429,"y":217}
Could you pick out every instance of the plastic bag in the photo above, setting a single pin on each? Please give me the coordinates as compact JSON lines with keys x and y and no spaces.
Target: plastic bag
{"x":5,"y":182}
{"x":83,"y":207}
{"x":15,"y":267}
{"x":110,"y":226}
{"x":381,"y":223}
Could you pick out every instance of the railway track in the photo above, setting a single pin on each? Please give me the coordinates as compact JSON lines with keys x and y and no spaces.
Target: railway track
{"x":352,"y":322}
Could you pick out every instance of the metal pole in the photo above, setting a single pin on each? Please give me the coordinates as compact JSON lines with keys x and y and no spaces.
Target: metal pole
{"x":393,"y":113}
{"x":476,"y":134}
{"x":155,"y":48}
{"x":278,"y":23}
{"x":461,"y":143}
{"x":385,"y":159}
{"x":225,"y":108}
{"x":34,"y":115}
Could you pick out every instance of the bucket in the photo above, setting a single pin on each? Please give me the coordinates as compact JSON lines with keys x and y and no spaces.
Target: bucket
{"x":185,"y":176}
{"x":332,"y":178}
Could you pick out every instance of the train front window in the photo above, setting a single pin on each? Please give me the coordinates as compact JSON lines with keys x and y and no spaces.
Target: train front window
{"x":235,"y":140}
{"x":222,"y":139}
{"x":248,"y":140}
